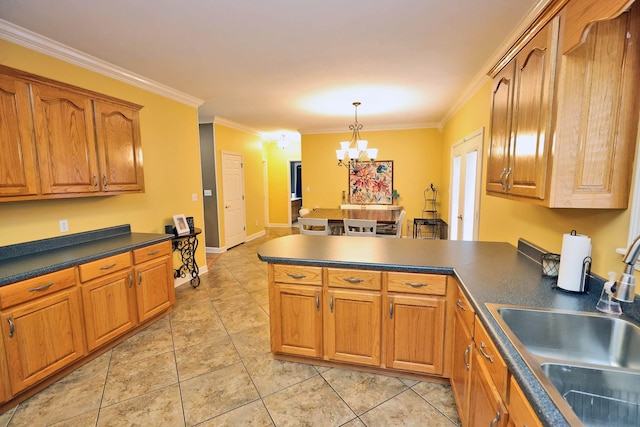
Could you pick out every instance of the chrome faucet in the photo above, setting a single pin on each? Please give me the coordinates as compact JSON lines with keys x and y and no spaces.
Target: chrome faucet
{"x":626,"y":286}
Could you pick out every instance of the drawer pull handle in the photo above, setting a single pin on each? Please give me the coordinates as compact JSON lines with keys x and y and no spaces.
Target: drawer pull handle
{"x":152,"y":252}
{"x":460,"y":306}
{"x":296,"y":276}
{"x":495,"y":420}
{"x":107,"y":267}
{"x":41,"y":288}
{"x":465,"y":355}
{"x":390,"y":308}
{"x":352,"y":280}
{"x":487,"y":356}
{"x":95,"y":182}
{"x":130,"y":280}
{"x":139,"y":277}
{"x":105,"y":180}
{"x":317,"y":301}
{"x":331,"y":303}
{"x":12,"y":327}
{"x":416,"y":285}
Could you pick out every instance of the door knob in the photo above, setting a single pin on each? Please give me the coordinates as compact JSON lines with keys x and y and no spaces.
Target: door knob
{"x":460,"y":217}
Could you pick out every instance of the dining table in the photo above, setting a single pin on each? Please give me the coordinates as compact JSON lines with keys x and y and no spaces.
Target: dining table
{"x":335,"y":216}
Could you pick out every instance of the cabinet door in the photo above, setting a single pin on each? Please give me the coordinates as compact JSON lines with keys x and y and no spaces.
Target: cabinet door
{"x":65,"y":141}
{"x":154,"y":287}
{"x":109,"y":307}
{"x":414,"y":336}
{"x":296,"y":319}
{"x":119,"y":147}
{"x":461,"y":367}
{"x":42,"y":337}
{"x":5,"y":390}
{"x":486,"y":407}
{"x":531,"y":123}
{"x":521,"y":413}
{"x":18,"y":160}
{"x":500,"y":140}
{"x":352,"y":327}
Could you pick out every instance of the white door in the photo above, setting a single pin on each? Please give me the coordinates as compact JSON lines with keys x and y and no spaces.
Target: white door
{"x":233,"y":197}
{"x":466,"y":175}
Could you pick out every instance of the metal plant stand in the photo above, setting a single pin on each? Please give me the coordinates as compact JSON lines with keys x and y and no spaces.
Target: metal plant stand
{"x":187,"y":245}
{"x":428,"y":226}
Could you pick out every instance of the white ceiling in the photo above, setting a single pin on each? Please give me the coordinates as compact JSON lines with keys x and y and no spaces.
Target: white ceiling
{"x":292,"y":64}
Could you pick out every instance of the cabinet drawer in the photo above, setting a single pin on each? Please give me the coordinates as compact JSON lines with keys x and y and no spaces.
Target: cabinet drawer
{"x":151,"y":252}
{"x":414,"y":283}
{"x":492,"y":360}
{"x":297,"y":274}
{"x":354,"y":279}
{"x":104,"y":266}
{"x":464,"y":309}
{"x":30,"y":289}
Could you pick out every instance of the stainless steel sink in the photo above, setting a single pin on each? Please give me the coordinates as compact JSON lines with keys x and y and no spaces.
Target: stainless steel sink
{"x":576,"y":337}
{"x":589,"y":363}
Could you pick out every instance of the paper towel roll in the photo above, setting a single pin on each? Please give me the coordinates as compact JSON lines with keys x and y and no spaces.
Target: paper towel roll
{"x":575,"y":248}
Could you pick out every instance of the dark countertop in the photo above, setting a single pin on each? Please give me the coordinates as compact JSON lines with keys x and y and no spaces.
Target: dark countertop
{"x":26,"y":260}
{"x":490,"y":272}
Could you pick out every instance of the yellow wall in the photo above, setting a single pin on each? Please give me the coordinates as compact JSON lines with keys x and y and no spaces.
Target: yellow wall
{"x":506,"y":220}
{"x":416,"y":155}
{"x":279,"y":188}
{"x":171,"y":153}
{"x":249,"y":145}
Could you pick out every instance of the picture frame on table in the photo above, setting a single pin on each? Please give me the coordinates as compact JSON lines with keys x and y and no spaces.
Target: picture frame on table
{"x":182,"y":227}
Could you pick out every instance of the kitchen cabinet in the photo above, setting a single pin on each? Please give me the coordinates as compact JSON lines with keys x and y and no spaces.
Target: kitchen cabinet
{"x":119,"y":147}
{"x":486,"y":407}
{"x":18,"y":160}
{"x":565,"y":96}
{"x":64,"y":141}
{"x":42,"y":336}
{"x":521,"y":414}
{"x":295,"y":301}
{"x":5,"y":389}
{"x":154,"y":280}
{"x":414,"y":319}
{"x":520,"y":123}
{"x":462,"y":355}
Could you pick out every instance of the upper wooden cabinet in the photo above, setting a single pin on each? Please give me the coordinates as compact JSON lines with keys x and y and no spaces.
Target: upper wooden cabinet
{"x":565,"y":108}
{"x":18,"y":160}
{"x":86,"y":144}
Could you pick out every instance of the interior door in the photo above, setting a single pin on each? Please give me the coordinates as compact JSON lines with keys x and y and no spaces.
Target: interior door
{"x":233,"y":197}
{"x":466,"y":173}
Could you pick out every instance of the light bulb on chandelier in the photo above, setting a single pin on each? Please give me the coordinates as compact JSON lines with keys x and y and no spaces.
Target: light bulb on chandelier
{"x":356,"y":149}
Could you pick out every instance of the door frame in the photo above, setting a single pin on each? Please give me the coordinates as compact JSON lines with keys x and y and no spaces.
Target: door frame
{"x":290,"y":161}
{"x":480,"y":147}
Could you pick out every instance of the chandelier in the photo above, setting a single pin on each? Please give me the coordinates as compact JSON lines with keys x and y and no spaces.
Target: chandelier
{"x":356,"y":149}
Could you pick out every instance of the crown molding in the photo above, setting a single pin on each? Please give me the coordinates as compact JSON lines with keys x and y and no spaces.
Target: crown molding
{"x":371,"y":129}
{"x":233,"y":125}
{"x":481,"y":77}
{"x":34,"y":41}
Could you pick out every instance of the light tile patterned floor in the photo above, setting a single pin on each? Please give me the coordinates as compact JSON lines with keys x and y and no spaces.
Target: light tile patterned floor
{"x":209,"y":364}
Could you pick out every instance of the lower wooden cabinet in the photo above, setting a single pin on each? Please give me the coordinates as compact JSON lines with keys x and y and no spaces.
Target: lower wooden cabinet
{"x":486,"y":407}
{"x":296,"y":320}
{"x":109,"y":307}
{"x":462,"y":354}
{"x":414,"y":333}
{"x":521,"y":414}
{"x":154,"y":287}
{"x":42,"y":337}
{"x":5,"y":389}
{"x":352,"y":326}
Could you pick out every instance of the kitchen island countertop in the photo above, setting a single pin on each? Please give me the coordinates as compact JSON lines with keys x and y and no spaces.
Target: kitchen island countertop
{"x":490,"y":272}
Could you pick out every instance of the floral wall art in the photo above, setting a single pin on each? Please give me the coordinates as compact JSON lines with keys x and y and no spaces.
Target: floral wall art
{"x":371,"y":182}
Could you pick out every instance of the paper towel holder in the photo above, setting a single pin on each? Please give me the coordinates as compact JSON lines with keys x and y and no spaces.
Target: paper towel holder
{"x":584,"y":278}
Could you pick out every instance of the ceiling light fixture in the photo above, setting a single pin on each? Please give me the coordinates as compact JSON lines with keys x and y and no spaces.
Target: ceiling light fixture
{"x":356,"y":149}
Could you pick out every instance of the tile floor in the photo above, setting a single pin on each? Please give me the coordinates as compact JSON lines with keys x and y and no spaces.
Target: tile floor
{"x":209,"y":364}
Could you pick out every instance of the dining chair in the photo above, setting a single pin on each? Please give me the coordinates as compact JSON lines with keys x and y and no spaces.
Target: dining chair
{"x":314,"y":226}
{"x":395,"y":230}
{"x":359,"y":227}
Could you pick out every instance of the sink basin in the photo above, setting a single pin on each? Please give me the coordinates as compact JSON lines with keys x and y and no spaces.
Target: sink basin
{"x":576,"y":337}
{"x":598,"y":396}
{"x":589,"y":363}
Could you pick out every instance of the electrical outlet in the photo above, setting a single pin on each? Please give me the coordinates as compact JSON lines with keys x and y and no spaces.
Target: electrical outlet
{"x":64,"y":225}
{"x":194,"y":197}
